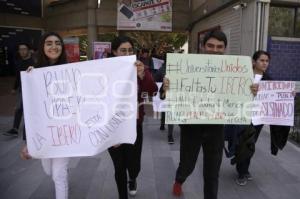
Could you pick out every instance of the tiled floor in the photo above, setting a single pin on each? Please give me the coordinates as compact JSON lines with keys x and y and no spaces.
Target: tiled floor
{"x":93,"y":178}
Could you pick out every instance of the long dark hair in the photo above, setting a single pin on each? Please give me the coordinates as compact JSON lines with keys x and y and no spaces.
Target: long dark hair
{"x":42,"y":59}
{"x":259,"y":53}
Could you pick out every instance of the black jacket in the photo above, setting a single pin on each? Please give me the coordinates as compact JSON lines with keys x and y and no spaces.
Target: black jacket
{"x":241,"y":144}
{"x":279,"y":134}
{"x":21,"y":65}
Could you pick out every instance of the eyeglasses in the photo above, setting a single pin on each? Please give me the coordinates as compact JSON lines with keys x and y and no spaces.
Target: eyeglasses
{"x":126,"y":50}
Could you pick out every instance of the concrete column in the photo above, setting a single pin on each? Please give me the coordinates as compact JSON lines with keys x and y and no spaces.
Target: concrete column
{"x":91,"y":26}
{"x":262,"y":24}
{"x":265,"y":26}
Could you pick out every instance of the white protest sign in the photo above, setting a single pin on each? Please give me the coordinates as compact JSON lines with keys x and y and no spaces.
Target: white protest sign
{"x":297,"y":87}
{"x":158,"y":104}
{"x":208,"y":89}
{"x":257,"y":78}
{"x":274,"y":103}
{"x":157,"y":63}
{"x":80,"y":109}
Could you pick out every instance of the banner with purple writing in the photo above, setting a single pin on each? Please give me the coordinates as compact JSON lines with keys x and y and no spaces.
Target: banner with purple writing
{"x":80,"y":109}
{"x":274,"y":103}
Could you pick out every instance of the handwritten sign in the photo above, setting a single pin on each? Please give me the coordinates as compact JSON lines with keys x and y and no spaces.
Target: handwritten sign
{"x":208,"y":89}
{"x":80,"y":109}
{"x":274,"y":103}
{"x":297,"y":86}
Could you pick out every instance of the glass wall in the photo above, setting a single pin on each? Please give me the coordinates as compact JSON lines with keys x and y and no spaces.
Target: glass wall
{"x":284,"y":21}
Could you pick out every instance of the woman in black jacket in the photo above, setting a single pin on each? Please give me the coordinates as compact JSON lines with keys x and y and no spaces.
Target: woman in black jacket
{"x":279,"y":134}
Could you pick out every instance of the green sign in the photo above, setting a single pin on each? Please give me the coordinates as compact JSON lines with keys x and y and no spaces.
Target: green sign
{"x":209,"y":89}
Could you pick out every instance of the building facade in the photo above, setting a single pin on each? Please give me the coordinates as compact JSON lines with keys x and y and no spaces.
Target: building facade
{"x":272,"y":25}
{"x":252,"y":25}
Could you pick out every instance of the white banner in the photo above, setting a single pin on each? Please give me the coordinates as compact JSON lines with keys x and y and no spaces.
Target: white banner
{"x":80,"y":109}
{"x":297,"y":87}
{"x":274,"y":103}
{"x":158,"y":104}
{"x":157,"y":63}
{"x":153,"y":15}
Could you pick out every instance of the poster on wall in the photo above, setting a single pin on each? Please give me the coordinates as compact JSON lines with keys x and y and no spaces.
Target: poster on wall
{"x":72,"y":49}
{"x":153,"y":15}
{"x":101,"y":49}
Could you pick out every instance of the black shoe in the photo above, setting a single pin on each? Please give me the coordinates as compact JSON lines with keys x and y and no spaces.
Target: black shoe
{"x":242,"y":181}
{"x":132,"y":187}
{"x":170,"y":139}
{"x":11,"y":132}
{"x":162,"y":127}
{"x":249,"y":176}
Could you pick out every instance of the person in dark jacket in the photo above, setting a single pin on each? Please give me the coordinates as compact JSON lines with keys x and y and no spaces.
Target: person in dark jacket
{"x":127,"y":157}
{"x":23,"y":61}
{"x":208,"y":136}
{"x":159,"y":76}
{"x":147,"y":60}
{"x":279,"y":134}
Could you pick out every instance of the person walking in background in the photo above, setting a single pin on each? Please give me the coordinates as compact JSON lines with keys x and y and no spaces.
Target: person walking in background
{"x":147,"y":60}
{"x":51,"y":52}
{"x":260,"y":62}
{"x":159,"y":76}
{"x":23,"y":61}
{"x":127,"y":157}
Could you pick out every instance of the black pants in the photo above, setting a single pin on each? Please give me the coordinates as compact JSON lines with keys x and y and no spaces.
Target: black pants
{"x":243,"y":167}
{"x":211,"y":138}
{"x":162,"y":123}
{"x":162,"y":118}
{"x":18,"y":112}
{"x":127,"y":157}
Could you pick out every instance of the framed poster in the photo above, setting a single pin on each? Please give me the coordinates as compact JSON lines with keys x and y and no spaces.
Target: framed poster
{"x":152,"y":15}
{"x":101,"y":49}
{"x":72,"y":49}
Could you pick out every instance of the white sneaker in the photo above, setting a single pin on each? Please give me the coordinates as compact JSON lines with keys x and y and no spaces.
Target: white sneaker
{"x":132,"y":187}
